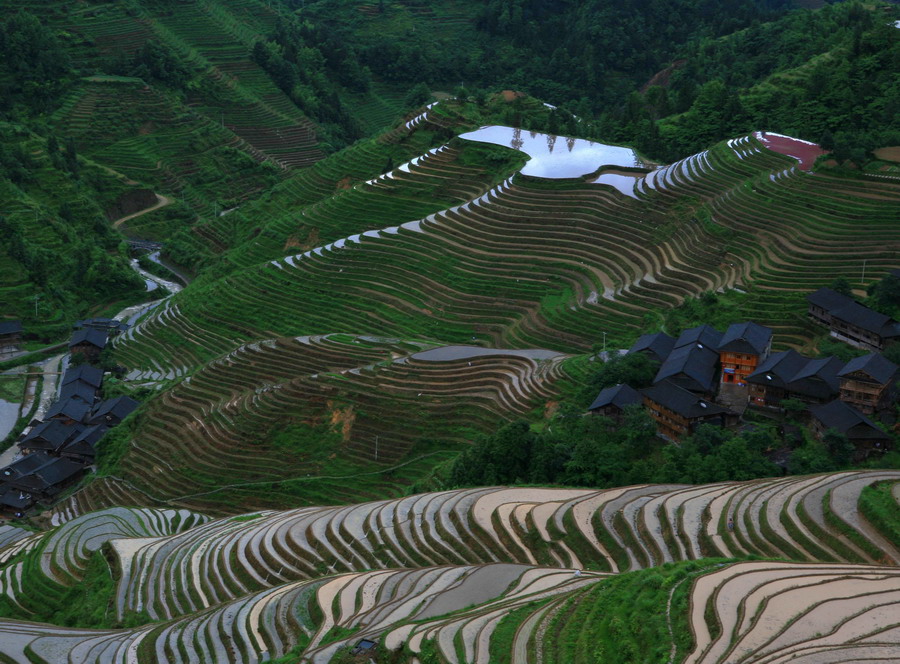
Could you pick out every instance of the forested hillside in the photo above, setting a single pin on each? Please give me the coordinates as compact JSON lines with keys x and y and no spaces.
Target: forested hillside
{"x":211,"y":104}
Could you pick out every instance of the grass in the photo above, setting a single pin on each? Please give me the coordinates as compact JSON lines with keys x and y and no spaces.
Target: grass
{"x":624,"y":619}
{"x":879,"y":506}
{"x":12,"y":388}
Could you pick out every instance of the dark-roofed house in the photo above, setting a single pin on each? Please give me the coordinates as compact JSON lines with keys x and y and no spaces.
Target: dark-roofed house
{"x":49,"y":479}
{"x":68,"y":411}
{"x":850,"y":321}
{"x":112,"y":411}
{"x":84,"y":373}
{"x":692,"y":367}
{"x":741,"y":349}
{"x":768,"y":384}
{"x":14,"y":502}
{"x":78,"y":391}
{"x":678,"y":412}
{"x":868,"y":383}
{"x":845,"y":419}
{"x":656,"y":346}
{"x":49,"y":437}
{"x":10,"y":336}
{"x":82,"y":448}
{"x":89,"y":342}
{"x":702,"y":334}
{"x":21,"y":467}
{"x":612,"y":401}
{"x":817,"y":381}
{"x":789,"y":375}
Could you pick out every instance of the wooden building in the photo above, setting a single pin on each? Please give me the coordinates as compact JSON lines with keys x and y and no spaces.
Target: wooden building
{"x":851,"y":322}
{"x":88,"y":342}
{"x":655,"y":346}
{"x":692,"y":367}
{"x":866,"y":437}
{"x":868,"y":383}
{"x":742,"y":348}
{"x":111,"y":412}
{"x":789,"y":375}
{"x":612,"y":401}
{"x":10,"y":336}
{"x":678,"y":412}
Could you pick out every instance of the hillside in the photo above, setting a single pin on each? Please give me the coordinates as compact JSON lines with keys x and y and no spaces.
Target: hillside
{"x":471,"y":575}
{"x":305,"y":306}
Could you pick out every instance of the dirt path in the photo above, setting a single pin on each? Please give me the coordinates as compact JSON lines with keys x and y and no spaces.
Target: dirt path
{"x":161,"y":201}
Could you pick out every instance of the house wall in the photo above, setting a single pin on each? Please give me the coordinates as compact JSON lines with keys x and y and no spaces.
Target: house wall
{"x":737,"y":366}
{"x":865,"y":394}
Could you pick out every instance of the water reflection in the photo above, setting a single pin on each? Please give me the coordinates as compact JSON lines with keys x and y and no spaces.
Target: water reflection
{"x":548,"y":159}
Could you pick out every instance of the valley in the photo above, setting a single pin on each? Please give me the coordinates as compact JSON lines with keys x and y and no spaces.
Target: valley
{"x":371,"y":332}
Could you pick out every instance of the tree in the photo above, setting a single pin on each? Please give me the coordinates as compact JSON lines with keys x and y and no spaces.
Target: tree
{"x":842,"y":286}
{"x":417,"y":96}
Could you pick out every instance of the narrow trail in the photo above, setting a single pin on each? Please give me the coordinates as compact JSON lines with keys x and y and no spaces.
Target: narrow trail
{"x":161,"y":201}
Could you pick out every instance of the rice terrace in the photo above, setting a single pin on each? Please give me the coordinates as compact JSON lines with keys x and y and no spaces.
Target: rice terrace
{"x":419,"y":332}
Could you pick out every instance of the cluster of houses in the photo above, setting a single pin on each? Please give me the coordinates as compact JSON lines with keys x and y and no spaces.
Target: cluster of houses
{"x":704,"y":372}
{"x":58,"y":450}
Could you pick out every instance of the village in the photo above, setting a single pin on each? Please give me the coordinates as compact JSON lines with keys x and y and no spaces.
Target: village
{"x":709,"y":377}
{"x":57,"y":449}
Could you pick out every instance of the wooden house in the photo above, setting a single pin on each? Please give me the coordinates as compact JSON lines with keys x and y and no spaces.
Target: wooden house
{"x":678,"y":412}
{"x":851,"y":322}
{"x":84,"y":373}
{"x":789,"y":375}
{"x":768,"y":384}
{"x":612,"y":401}
{"x":741,"y":349}
{"x":866,"y":437}
{"x":692,"y":367}
{"x":68,"y":411}
{"x":655,"y":346}
{"x":10,"y":336}
{"x":868,"y":383}
{"x":88,"y":342}
{"x":83,"y":447}
{"x":49,"y":437}
{"x":112,"y":411}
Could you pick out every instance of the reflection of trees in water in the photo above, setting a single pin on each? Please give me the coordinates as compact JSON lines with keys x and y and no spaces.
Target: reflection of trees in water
{"x":551,"y":141}
{"x":517,"y":141}
{"x":570,"y":142}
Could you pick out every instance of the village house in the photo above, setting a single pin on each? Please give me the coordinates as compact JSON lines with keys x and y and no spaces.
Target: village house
{"x":49,"y":437}
{"x":84,"y":373}
{"x":69,"y":411}
{"x":111,"y":412}
{"x":851,"y":322}
{"x":741,"y":349}
{"x":78,"y":391}
{"x":49,"y":479}
{"x":692,"y":367}
{"x":678,"y":412}
{"x":868,"y":383}
{"x":10,"y":336}
{"x":88,"y":342}
{"x":111,"y":325}
{"x":612,"y":401}
{"x":789,"y":375}
{"x":83,"y":448}
{"x":845,"y":419}
{"x":655,"y":346}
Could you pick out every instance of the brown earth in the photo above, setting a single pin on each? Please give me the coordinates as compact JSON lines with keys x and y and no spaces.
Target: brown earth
{"x":661,"y":78}
{"x":891,"y":153}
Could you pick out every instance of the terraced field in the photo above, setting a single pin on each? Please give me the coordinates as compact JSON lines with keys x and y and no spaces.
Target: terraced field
{"x":459,"y":574}
{"x":553,"y":263}
{"x":316,"y":419}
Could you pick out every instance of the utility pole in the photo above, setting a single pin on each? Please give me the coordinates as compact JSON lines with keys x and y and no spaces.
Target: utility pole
{"x":863,"y":280}
{"x":376,"y":448}
{"x":604,"y":346}
{"x":36,"y":298}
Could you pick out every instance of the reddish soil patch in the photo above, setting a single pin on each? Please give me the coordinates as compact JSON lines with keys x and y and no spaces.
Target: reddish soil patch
{"x":661,"y":78}
{"x":344,"y":183}
{"x":888,"y":154}
{"x":803,"y":151}
{"x":511,"y":95}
